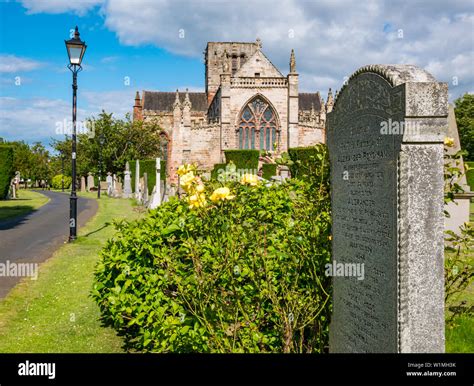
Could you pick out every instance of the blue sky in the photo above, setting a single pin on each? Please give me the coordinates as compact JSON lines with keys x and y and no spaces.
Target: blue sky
{"x":158,"y":45}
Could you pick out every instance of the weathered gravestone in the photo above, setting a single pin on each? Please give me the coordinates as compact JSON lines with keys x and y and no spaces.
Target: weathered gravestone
{"x":83,"y":184}
{"x":387,"y":208}
{"x":90,"y":182}
{"x":110,"y":182}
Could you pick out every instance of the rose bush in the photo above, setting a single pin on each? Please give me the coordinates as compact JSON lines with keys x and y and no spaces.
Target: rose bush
{"x":233,"y":267}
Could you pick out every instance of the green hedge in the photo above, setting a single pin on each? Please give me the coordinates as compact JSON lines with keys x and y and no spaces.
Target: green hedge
{"x":215,"y":171}
{"x":470,"y":175}
{"x":6,"y":169}
{"x":149,"y":167}
{"x":308,"y":161}
{"x":243,"y":159}
{"x":269,"y":170}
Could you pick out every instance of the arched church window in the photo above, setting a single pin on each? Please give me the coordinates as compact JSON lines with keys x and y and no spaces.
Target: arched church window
{"x":258,"y":126}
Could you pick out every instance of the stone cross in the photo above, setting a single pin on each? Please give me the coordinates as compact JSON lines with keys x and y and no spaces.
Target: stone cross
{"x":385,"y":137}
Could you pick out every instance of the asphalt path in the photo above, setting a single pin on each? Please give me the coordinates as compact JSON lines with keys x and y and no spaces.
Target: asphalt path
{"x":33,"y":238}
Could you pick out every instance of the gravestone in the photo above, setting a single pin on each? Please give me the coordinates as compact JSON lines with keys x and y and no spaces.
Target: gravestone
{"x":138,"y":194}
{"x":110,"y":181}
{"x":83,"y":184}
{"x":127,"y":187}
{"x":155,"y":200}
{"x":385,"y":137}
{"x":90,"y":182}
{"x":104,"y":185}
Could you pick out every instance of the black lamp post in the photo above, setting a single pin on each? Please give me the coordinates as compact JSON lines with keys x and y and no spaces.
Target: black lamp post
{"x":101,"y":141}
{"x":75,"y":50}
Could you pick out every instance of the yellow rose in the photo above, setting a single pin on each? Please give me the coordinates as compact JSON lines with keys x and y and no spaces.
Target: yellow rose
{"x":449,"y":142}
{"x":200,"y":188}
{"x":186,"y":168}
{"x":197,"y":201}
{"x":249,"y":179}
{"x":221,"y":194}
{"x":187,"y":180}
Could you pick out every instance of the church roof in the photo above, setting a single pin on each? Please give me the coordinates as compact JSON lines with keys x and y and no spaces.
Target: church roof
{"x":261,"y":62}
{"x":306,"y":100}
{"x":163,"y":101}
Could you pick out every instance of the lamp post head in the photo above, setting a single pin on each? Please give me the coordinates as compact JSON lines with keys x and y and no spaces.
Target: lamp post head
{"x":75,"y":49}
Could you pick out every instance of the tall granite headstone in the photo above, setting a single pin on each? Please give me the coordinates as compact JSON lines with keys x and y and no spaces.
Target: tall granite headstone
{"x":385,"y":137}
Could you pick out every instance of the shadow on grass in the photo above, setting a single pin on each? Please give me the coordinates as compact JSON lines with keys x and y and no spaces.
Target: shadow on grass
{"x":98,"y":229}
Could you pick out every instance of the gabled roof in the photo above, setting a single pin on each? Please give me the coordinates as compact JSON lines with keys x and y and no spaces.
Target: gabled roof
{"x":306,"y":100}
{"x":260,"y":61}
{"x":164,"y":101}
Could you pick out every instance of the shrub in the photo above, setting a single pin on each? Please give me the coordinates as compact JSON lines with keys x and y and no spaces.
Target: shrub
{"x":242,"y":273}
{"x":470,"y":175}
{"x":269,"y":170}
{"x":306,"y":162}
{"x":149,"y":167}
{"x":57,"y":181}
{"x":243,"y":159}
{"x":7,"y":171}
{"x":215,"y":170}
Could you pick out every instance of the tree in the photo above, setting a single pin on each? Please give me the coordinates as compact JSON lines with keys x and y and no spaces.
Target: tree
{"x":464,"y":110}
{"x":123,"y":140}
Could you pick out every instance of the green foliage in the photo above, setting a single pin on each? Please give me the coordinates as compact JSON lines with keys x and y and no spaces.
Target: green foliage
{"x":6,"y":169}
{"x":57,"y":181}
{"x":306,"y":163}
{"x":148,"y":167}
{"x":123,"y":140}
{"x":215,"y":170}
{"x":464,"y":111}
{"x":32,"y":161}
{"x":470,"y":174}
{"x":243,"y":159}
{"x":269,"y":170}
{"x":243,"y":275}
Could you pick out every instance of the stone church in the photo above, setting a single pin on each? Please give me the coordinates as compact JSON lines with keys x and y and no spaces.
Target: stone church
{"x":247,"y":104}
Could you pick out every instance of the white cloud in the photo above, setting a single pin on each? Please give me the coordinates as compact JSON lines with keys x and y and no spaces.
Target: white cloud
{"x":15,"y":64}
{"x":119,"y":102}
{"x":34,"y":119}
{"x":331,"y":39}
{"x":79,"y":7}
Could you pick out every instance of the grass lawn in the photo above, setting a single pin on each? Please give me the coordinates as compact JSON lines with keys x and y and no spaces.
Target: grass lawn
{"x":27,"y":201}
{"x":55,"y":314}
